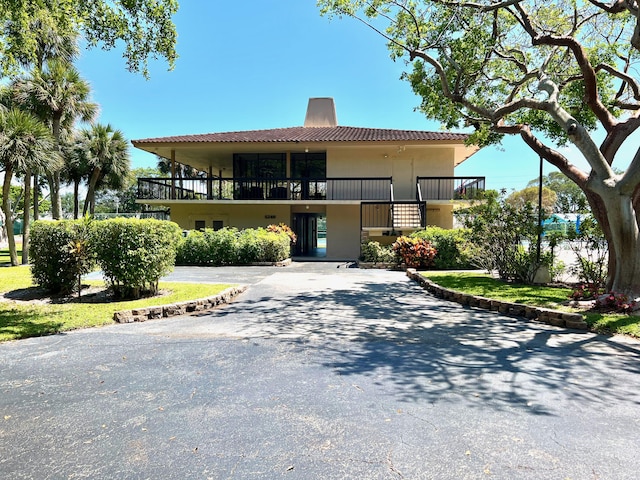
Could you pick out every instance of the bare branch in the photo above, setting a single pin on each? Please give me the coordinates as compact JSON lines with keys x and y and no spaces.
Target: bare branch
{"x":614,"y":139}
{"x":554,"y":157}
{"x":626,"y":78}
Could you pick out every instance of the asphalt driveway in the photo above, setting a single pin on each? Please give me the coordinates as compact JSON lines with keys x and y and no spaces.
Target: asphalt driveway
{"x":321,"y":371}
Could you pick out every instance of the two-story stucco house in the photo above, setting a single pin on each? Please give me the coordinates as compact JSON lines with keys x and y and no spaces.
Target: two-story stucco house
{"x":349,"y":183}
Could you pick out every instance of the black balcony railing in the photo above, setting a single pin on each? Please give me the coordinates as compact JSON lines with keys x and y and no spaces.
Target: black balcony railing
{"x":398,"y":215}
{"x":450,"y":188}
{"x":264,"y":189}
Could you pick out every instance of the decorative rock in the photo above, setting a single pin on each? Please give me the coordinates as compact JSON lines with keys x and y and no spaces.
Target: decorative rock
{"x":143,"y":314}
{"x":558,"y":322}
{"x":577,"y":324}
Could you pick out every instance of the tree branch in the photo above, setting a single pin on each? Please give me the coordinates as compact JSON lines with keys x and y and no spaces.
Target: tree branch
{"x":626,"y":78}
{"x":554,"y":157}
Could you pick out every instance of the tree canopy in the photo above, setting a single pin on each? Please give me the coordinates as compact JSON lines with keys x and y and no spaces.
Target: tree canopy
{"x":551,"y":72}
{"x":145,"y":28}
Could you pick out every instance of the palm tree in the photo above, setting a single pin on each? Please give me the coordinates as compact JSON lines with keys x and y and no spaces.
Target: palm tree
{"x":25,"y":144}
{"x":59,"y":96}
{"x":108,"y":158}
{"x":51,"y":42}
{"x":76,"y":168}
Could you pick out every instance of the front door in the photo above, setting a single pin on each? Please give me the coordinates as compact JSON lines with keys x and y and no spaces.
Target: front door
{"x":305,"y":226}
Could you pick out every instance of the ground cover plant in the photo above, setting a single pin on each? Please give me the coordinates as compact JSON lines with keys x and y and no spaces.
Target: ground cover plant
{"x":542,"y":296}
{"x":39,"y":316}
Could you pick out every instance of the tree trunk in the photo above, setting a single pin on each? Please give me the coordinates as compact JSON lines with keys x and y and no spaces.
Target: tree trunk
{"x":54,"y":195}
{"x":36,"y":196}
{"x":6,"y":209}
{"x":617,"y":216}
{"x":89,"y":201}
{"x":76,"y":200}
{"x":54,"y":178}
{"x":26,"y":217}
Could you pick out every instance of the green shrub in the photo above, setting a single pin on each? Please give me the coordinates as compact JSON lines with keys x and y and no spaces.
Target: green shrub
{"x":274,"y":246}
{"x":373,"y":252}
{"x":451,"y":245}
{"x":415,"y":252}
{"x":60,"y":254}
{"x":193,"y":249}
{"x":133,"y":254}
{"x":222,"y":246}
{"x":228,"y":246}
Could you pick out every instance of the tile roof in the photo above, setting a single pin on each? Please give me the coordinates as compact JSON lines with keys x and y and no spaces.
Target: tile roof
{"x":310,"y":134}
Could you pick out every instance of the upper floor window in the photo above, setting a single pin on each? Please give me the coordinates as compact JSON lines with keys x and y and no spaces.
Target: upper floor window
{"x":259,"y":165}
{"x":309,"y":165}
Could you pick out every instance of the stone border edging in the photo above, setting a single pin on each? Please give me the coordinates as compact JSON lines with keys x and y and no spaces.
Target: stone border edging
{"x":538,"y":314}
{"x":180,"y":308}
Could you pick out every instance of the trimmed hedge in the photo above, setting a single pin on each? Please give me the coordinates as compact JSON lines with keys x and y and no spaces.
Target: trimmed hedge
{"x":134,"y":253}
{"x":230,"y":246}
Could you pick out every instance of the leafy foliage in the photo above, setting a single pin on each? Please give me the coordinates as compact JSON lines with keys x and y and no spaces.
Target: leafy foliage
{"x":373,"y":252}
{"x":415,"y":252}
{"x":144,"y":27}
{"x":133,"y":254}
{"x":230,"y":246}
{"x":60,"y":254}
{"x":503,"y":238}
{"x":590,"y":248}
{"x":451,"y":246}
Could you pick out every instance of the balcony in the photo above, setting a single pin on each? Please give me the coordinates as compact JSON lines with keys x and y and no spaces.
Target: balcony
{"x":398,"y":215}
{"x":256,"y":189}
{"x":450,"y":188}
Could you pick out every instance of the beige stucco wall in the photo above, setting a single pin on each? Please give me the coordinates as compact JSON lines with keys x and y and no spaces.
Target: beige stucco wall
{"x":343,"y":232}
{"x":404,"y":164}
{"x":240,"y":216}
{"x":440,"y":215}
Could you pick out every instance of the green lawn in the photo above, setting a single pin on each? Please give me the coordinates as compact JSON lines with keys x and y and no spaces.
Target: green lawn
{"x":540,"y":296}
{"x":4,"y":256}
{"x":29,"y":320}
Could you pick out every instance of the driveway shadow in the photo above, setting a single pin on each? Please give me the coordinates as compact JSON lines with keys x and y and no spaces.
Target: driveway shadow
{"x":396,"y":334}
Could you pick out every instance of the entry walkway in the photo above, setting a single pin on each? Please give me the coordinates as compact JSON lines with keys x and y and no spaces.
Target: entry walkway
{"x":321,"y":371}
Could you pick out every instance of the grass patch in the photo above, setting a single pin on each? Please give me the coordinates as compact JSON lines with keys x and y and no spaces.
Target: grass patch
{"x":5,"y":259}
{"x":484,"y":285}
{"x":540,"y":296}
{"x":22,"y":320}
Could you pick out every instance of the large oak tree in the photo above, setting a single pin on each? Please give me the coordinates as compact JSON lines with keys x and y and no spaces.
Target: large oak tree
{"x":550,"y":72}
{"x":144,"y":27}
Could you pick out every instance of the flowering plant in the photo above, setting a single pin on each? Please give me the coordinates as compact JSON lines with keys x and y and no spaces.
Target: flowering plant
{"x":616,"y":302}
{"x":283,"y":228}
{"x":415,"y":252}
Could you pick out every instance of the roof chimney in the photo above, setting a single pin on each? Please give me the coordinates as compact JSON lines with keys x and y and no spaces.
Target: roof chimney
{"x":321,"y":112}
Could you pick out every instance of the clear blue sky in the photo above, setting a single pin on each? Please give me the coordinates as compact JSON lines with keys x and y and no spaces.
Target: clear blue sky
{"x":253,"y":65}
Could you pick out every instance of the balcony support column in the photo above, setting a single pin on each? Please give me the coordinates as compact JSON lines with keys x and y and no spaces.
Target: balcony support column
{"x":173,"y":174}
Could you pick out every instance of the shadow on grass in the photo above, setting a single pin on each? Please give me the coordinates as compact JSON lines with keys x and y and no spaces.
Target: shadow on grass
{"x":17,"y":324}
{"x":608,"y":323}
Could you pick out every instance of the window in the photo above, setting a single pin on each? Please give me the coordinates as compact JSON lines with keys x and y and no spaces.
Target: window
{"x":218,"y":224}
{"x":309,"y":165}
{"x":200,"y":224}
{"x":259,"y":165}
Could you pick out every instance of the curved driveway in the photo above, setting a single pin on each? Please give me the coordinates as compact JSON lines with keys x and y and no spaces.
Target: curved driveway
{"x":321,"y":372}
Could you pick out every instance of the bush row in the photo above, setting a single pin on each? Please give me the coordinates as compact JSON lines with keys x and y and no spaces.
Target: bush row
{"x":432,"y":247}
{"x":132,"y":253}
{"x":230,"y":246}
